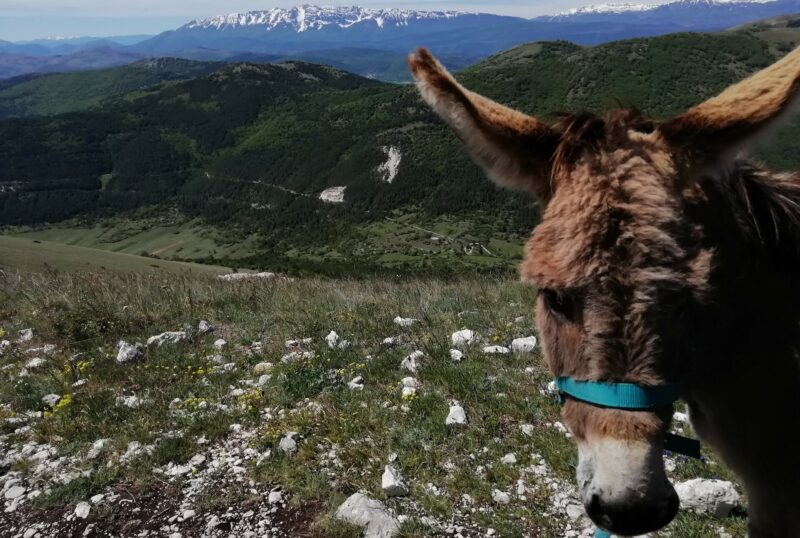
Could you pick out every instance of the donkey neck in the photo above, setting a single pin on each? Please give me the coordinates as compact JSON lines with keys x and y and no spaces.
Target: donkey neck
{"x":743,"y":384}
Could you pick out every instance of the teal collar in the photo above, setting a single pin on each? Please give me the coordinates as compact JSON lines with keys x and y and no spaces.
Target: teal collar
{"x":630,"y":397}
{"x":620,"y":395}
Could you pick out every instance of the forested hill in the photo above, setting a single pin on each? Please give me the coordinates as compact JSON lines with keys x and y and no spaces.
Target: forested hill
{"x":250,"y":148}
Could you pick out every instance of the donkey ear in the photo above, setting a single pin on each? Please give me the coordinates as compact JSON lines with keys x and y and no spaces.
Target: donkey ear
{"x":513,"y":148}
{"x":723,"y":125}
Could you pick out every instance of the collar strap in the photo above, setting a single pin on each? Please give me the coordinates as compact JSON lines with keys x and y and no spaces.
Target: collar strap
{"x":630,"y":397}
{"x":619,"y":395}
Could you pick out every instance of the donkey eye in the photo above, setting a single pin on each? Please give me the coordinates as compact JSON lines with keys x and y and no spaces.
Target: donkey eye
{"x":560,"y":304}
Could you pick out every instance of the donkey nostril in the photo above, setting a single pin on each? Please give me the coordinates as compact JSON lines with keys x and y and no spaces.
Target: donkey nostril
{"x":595,"y":505}
{"x":597,"y":512}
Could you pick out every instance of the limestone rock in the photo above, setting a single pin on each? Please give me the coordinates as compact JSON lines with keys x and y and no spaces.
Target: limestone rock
{"x":392,"y":483}
{"x":524,"y":345}
{"x":463,"y":338}
{"x":170,"y":337}
{"x":702,"y":496}
{"x":456,"y":355}
{"x":404,"y":322}
{"x":288,"y":445}
{"x":51,"y":400}
{"x":457,"y":415}
{"x":410,"y":362}
{"x":82,"y":510}
{"x":369,"y":514}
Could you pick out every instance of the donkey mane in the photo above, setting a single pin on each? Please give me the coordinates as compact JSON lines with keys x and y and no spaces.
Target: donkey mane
{"x":767,"y":204}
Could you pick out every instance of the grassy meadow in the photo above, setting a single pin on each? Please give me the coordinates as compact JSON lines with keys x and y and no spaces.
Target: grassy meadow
{"x":198,"y":425}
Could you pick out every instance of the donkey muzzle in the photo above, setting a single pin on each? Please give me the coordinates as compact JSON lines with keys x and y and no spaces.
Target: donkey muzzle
{"x":624,"y":487}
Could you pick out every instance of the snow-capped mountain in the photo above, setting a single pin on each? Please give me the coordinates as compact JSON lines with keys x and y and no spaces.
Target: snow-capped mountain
{"x":607,"y":8}
{"x":689,"y":14}
{"x":308,"y":17}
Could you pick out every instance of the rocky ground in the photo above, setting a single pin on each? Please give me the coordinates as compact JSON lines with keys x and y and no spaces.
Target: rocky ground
{"x":133,"y":406}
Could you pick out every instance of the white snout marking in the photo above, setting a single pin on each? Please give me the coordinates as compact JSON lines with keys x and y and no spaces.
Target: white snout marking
{"x":620,"y":470}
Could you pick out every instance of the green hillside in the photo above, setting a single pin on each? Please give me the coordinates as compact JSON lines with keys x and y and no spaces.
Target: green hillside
{"x":69,"y":92}
{"x":248,"y":149}
{"x":26,"y":255}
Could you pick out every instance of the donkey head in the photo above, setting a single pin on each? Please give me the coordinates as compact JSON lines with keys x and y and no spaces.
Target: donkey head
{"x":618,"y":258}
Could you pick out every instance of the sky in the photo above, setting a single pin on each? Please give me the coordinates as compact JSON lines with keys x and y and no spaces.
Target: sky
{"x":32,"y":19}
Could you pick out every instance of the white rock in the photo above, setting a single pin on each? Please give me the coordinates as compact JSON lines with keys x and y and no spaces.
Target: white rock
{"x":390,"y":168}
{"x":212,"y":523}
{"x":128,"y":352}
{"x":4,"y":345}
{"x":51,"y":400}
{"x":97,"y":499}
{"x":392,"y":483}
{"x":25,"y":335}
{"x":30,"y":533}
{"x":235,"y":277}
{"x":197,"y":460}
{"x":681,"y":418}
{"x":410,"y":382}
{"x":496,"y":350}
{"x":178,"y":470}
{"x":188,"y":514}
{"x":288,"y":445}
{"x":410,"y":362}
{"x":132,"y":401}
{"x":369,"y":514}
{"x":333,"y":195}
{"x":34,"y":363}
{"x":334,"y":341}
{"x":357,"y":383}
{"x":390,"y":341}
{"x":575,"y":512}
{"x":408,"y":392}
{"x":702,"y":496}
{"x":296,"y":356}
{"x":456,"y":355}
{"x":457,"y":416}
{"x":14,"y":492}
{"x":404,"y":322}
{"x":524,"y":345}
{"x":275,"y":497}
{"x":462,"y":338}
{"x":97,"y":448}
{"x":82,"y":510}
{"x":204,"y":327}
{"x":170,"y":337}
{"x":220,"y":344}
{"x":500,"y":497}
{"x":263,"y":380}
{"x":526,"y":429}
{"x":509,"y":459}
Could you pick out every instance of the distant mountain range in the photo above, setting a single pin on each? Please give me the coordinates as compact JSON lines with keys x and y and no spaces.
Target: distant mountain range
{"x":345,"y":36}
{"x":314,"y":169}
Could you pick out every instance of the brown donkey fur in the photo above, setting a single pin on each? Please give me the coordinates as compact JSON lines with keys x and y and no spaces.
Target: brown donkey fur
{"x":660,"y":257}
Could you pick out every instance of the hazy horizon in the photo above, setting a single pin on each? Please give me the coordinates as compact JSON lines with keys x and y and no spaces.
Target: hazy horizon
{"x":22,"y":21}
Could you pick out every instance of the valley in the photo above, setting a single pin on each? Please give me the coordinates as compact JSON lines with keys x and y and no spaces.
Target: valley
{"x":225,"y":164}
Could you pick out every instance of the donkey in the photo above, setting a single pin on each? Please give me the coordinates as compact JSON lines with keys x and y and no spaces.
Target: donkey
{"x":661,"y":257}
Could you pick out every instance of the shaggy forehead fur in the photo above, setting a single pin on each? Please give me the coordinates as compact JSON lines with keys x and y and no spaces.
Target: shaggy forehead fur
{"x":614,"y":234}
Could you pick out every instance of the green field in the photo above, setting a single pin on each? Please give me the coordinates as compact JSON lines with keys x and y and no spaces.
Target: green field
{"x":196,"y":426}
{"x":29,"y":255}
{"x":185,"y":241}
